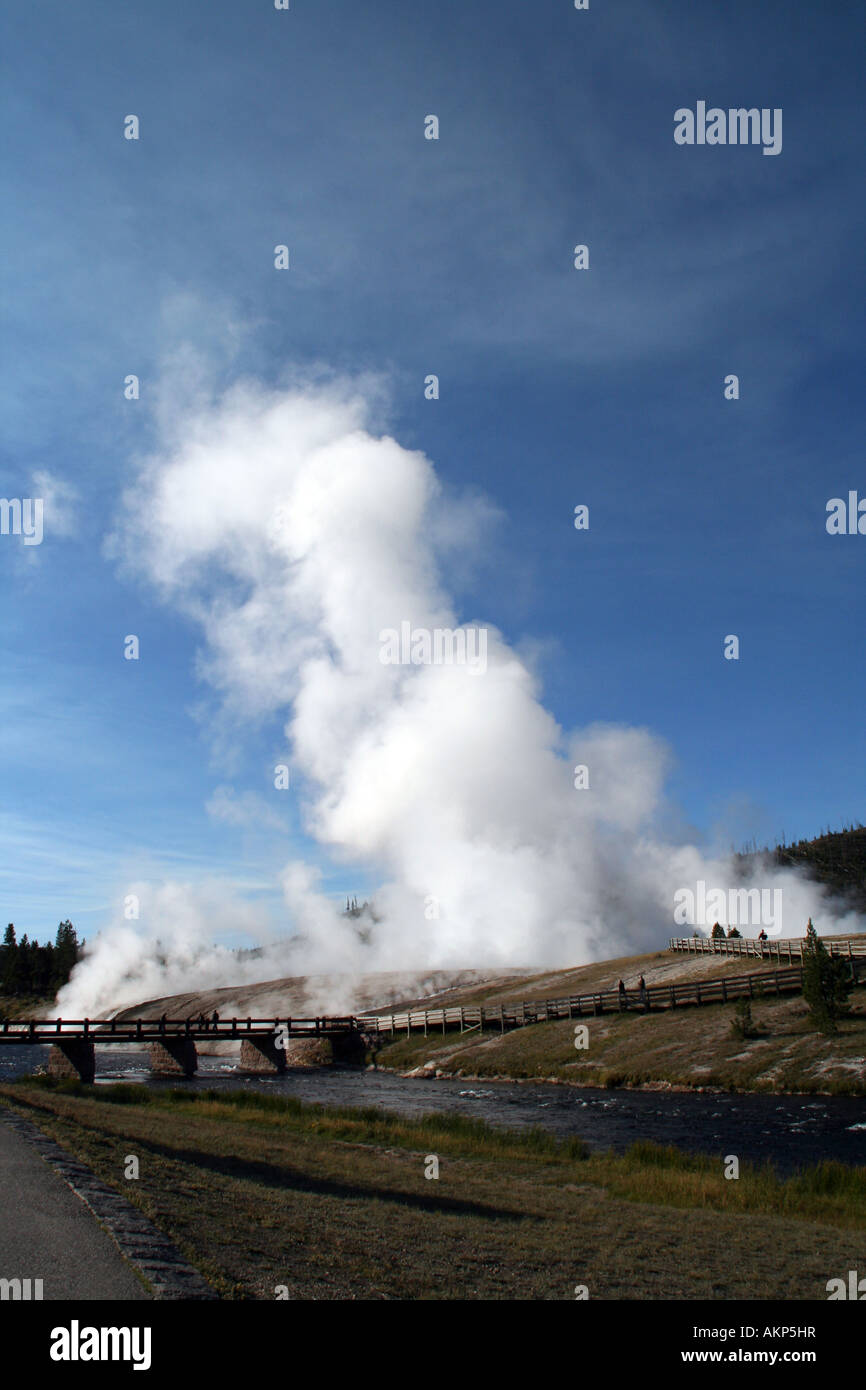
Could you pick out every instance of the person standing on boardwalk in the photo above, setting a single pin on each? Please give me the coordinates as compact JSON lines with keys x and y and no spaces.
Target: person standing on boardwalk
{"x":641,"y":984}
{"x":621,"y":995}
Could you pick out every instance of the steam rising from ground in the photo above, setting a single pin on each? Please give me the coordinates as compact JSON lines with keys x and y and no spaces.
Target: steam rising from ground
{"x":294,"y":534}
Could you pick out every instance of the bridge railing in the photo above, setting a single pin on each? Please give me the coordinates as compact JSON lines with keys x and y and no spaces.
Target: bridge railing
{"x":152,"y":1029}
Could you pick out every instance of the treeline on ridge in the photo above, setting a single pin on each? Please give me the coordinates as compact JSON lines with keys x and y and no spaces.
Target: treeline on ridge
{"x":27,"y":968}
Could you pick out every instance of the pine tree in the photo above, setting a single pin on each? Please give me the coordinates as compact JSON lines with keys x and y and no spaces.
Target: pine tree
{"x":825,"y":982}
{"x":718,"y":931}
{"x":66,"y":950}
{"x":11,"y":963}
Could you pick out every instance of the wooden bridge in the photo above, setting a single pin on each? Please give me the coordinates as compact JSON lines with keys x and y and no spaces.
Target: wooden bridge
{"x":172,"y":1041}
{"x":148,"y":1030}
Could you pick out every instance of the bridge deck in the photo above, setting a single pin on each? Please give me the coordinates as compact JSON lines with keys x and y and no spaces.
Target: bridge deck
{"x":148,"y":1030}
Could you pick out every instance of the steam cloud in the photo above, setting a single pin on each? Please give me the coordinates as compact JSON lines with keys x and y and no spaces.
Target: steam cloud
{"x":294,"y":534}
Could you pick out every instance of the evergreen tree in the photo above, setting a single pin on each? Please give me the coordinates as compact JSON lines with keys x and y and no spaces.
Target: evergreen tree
{"x":42,"y":969}
{"x":8,"y":946}
{"x":825,"y":982}
{"x":12,"y":968}
{"x":718,"y":931}
{"x":65,"y":953}
{"x":27,"y":953}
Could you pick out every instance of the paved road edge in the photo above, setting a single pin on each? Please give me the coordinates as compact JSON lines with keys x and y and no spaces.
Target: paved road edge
{"x":138,"y":1239}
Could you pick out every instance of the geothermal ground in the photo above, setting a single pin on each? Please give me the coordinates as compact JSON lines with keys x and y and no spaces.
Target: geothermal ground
{"x":687,"y":1047}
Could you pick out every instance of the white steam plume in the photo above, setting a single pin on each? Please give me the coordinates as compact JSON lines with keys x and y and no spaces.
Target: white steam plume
{"x":294,"y":535}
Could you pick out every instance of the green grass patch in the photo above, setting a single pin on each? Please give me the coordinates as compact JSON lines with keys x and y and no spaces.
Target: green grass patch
{"x":259,"y":1190}
{"x":458,"y":1134}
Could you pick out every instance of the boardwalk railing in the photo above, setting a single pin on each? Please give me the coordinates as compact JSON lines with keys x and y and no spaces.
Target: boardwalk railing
{"x":674,"y":996}
{"x":788,"y":949}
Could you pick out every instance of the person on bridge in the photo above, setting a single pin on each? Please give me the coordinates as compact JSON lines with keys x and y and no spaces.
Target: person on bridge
{"x":641,"y":984}
{"x":162,"y":1023}
{"x":215,"y":1018}
{"x":762,"y":935}
{"x":621,"y":994}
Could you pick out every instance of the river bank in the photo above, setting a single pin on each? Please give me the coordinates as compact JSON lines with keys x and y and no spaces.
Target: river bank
{"x":788,"y":1131}
{"x":269,"y":1196}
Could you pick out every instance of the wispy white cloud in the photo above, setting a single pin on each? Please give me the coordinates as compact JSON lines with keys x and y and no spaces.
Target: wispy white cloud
{"x":61,"y":502}
{"x":247,"y":809}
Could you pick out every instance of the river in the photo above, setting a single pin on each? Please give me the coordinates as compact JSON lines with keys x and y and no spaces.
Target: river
{"x":789,"y":1131}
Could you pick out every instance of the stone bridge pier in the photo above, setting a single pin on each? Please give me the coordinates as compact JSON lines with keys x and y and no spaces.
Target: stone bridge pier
{"x":76,"y":1057}
{"x":174,"y":1057}
{"x":261,"y":1055}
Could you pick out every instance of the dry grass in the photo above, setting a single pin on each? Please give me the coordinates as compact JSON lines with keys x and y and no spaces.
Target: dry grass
{"x":265,"y":1191}
{"x":685,"y":1047}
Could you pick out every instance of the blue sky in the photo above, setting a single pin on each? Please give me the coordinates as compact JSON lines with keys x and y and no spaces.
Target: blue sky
{"x":558,"y":386}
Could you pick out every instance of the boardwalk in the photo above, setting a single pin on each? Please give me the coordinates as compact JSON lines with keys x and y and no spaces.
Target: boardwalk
{"x":789,"y":949}
{"x":674,"y":996}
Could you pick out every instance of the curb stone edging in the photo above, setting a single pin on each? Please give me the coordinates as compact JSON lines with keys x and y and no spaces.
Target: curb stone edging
{"x":138,"y":1240}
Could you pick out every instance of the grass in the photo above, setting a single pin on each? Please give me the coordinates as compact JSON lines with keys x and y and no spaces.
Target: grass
{"x":689,"y":1047}
{"x":260,"y":1191}
{"x":457,"y":1134}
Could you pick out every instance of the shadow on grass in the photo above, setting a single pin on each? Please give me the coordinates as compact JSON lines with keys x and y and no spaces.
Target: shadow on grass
{"x":270,"y":1175}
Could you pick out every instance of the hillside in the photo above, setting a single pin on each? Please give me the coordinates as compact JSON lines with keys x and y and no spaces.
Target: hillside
{"x":305,"y":996}
{"x":684,"y":1048}
{"x":837,"y":859}
{"x":688,"y":1047}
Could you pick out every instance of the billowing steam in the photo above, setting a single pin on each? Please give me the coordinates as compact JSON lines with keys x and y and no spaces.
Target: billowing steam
{"x":296,"y":536}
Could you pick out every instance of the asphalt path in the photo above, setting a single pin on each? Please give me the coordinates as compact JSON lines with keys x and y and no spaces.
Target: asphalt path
{"x":47,"y":1233}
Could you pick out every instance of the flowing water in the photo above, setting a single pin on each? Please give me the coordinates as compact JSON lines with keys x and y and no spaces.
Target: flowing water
{"x":790,"y":1131}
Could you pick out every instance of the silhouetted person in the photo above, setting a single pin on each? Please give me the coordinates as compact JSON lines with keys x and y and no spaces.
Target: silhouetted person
{"x":641,"y":984}
{"x":621,"y":994}
{"x":215,"y":1018}
{"x":162,"y":1024}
